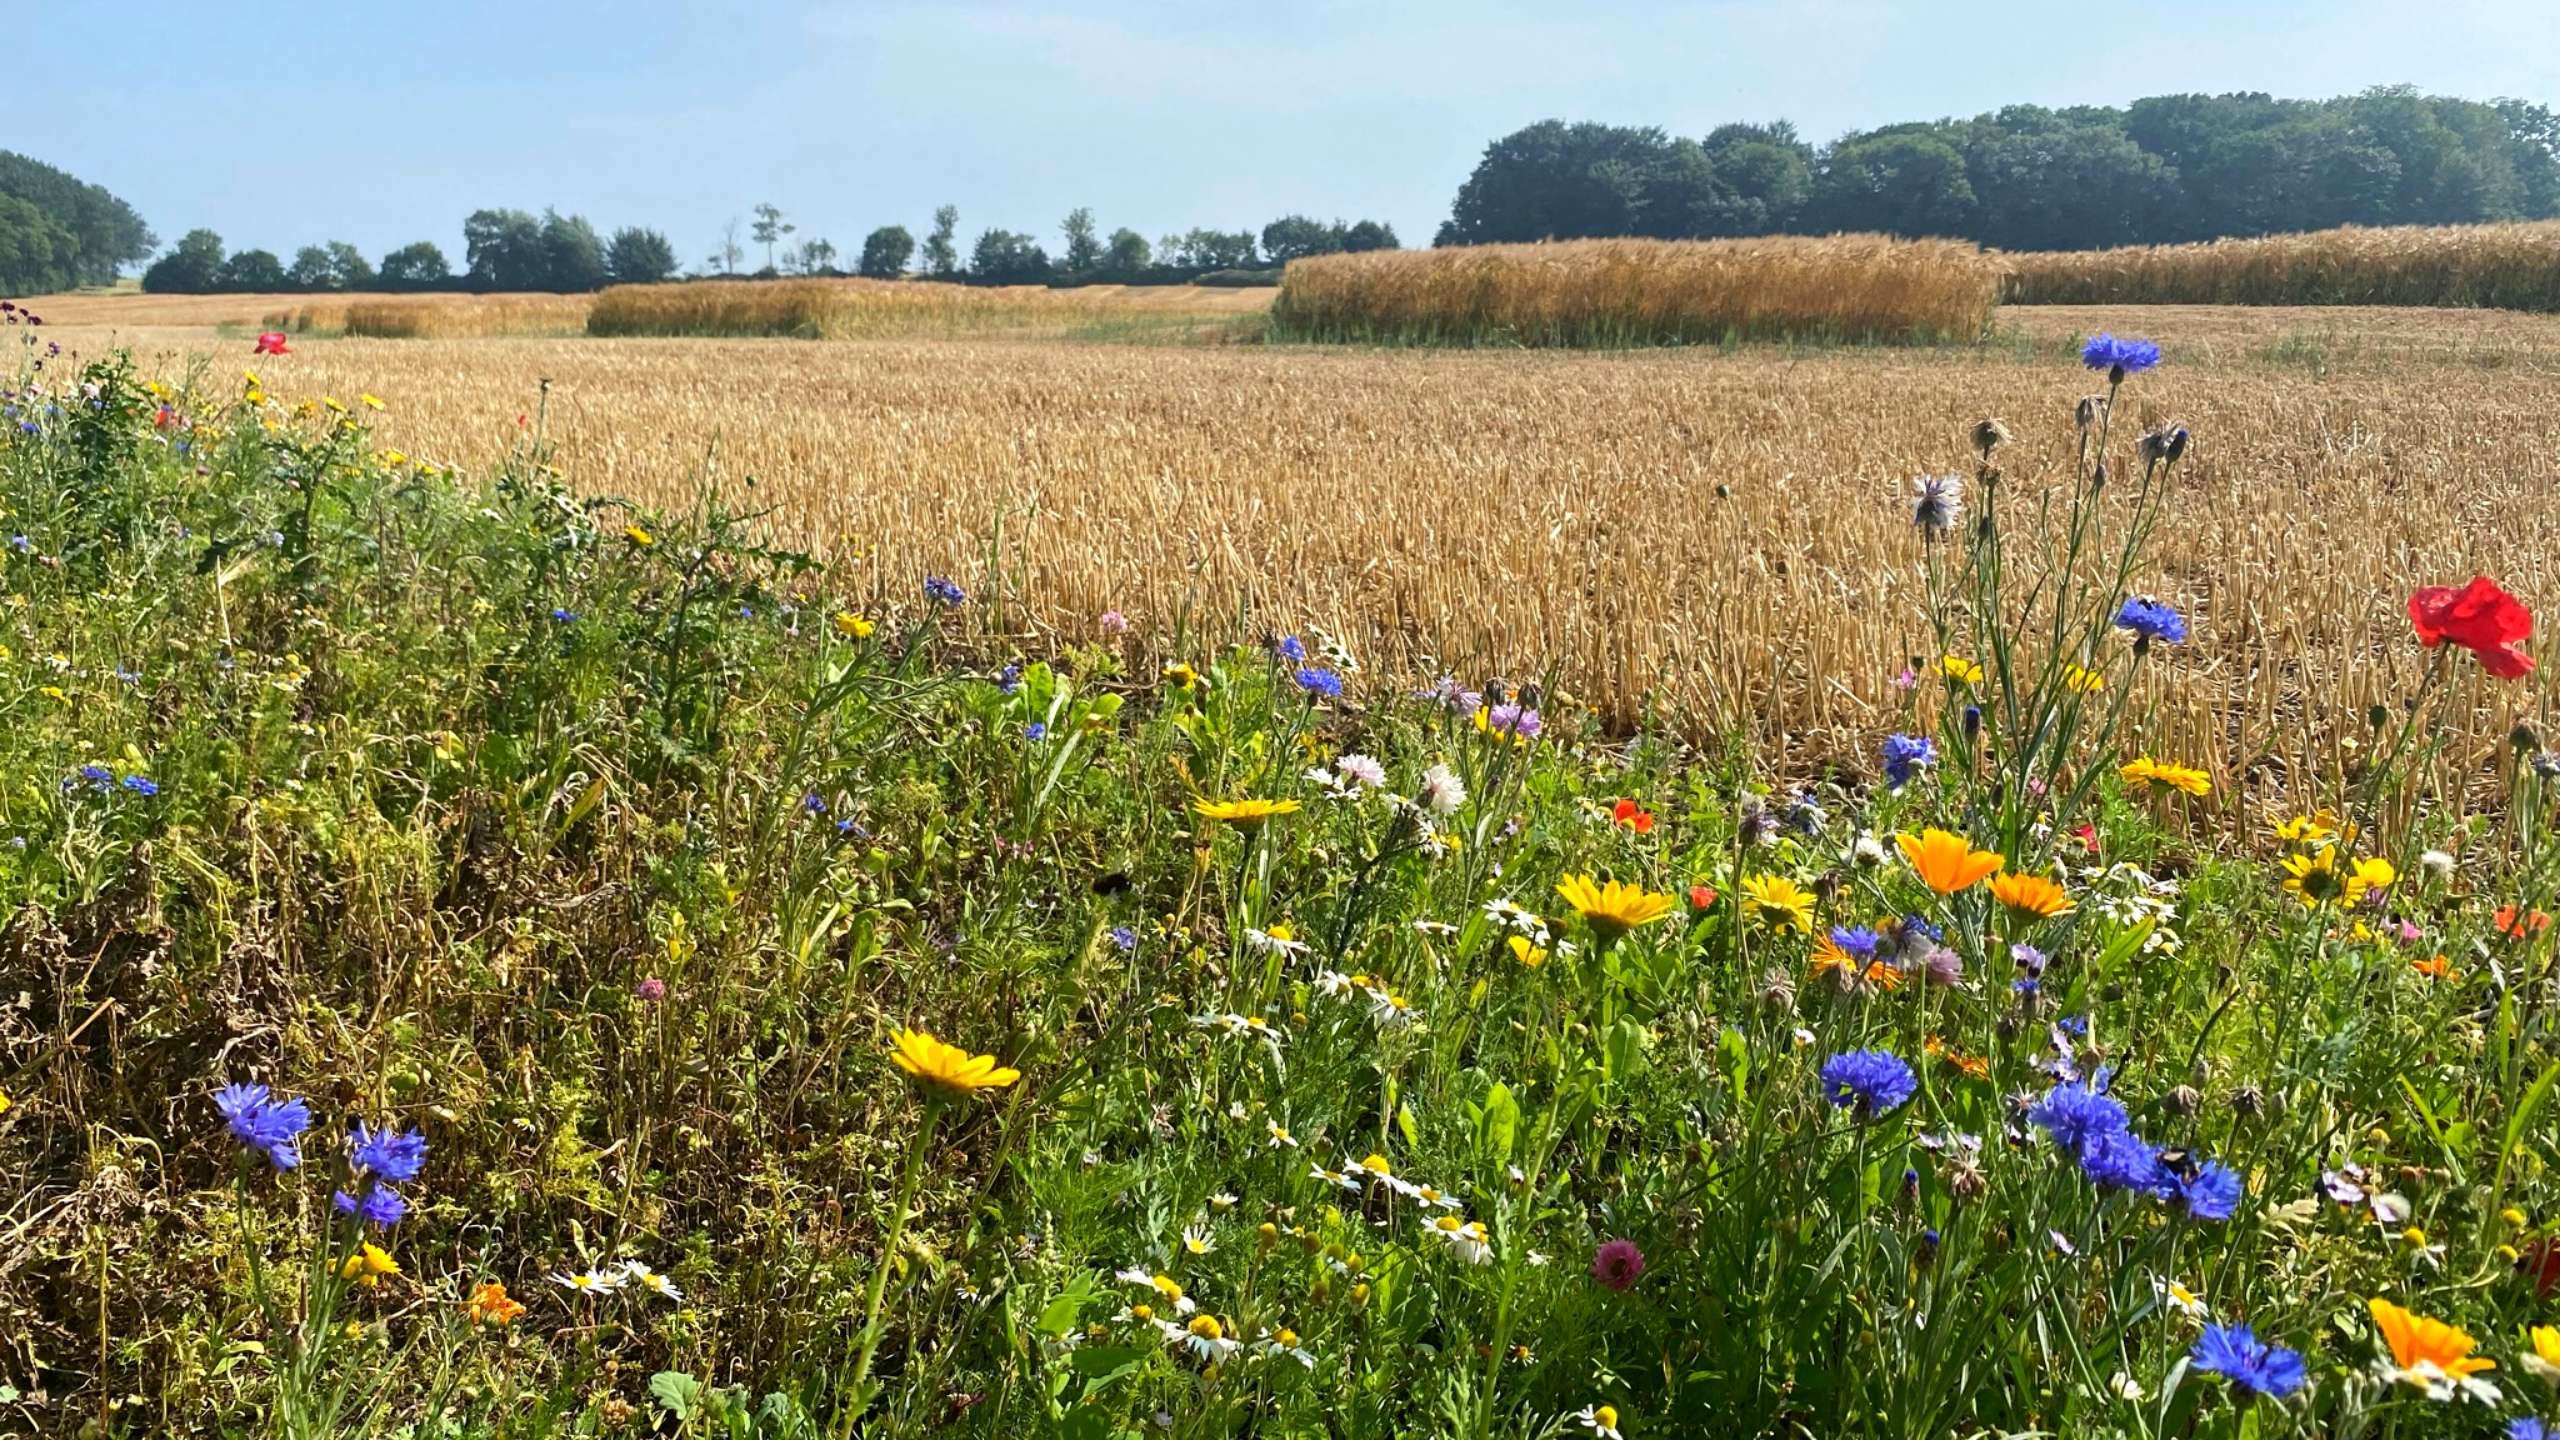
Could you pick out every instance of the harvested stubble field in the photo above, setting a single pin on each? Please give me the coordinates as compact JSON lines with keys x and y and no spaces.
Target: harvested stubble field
{"x":1720,"y":536}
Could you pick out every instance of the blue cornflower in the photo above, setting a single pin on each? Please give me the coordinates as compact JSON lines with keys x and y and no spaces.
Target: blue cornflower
{"x":2212,"y":1192}
{"x":2119,"y":358}
{"x":2527,"y":1427}
{"x":2253,"y":1367}
{"x":564,"y":616}
{"x":937,"y":588}
{"x":1035,"y":731}
{"x":746,"y":612}
{"x":100,"y":778}
{"x":2076,"y":1115}
{"x":1904,"y":755}
{"x":21,"y":544}
{"x":380,"y":1205}
{"x":2149,"y":619}
{"x":1319,"y":682}
{"x":1290,"y":648}
{"x":1009,"y":679}
{"x":394,"y":1155}
{"x":1919,"y":925}
{"x":142,"y":785}
{"x":2121,"y":1160}
{"x":1124,"y":937}
{"x":262,"y":1122}
{"x":852,"y":829}
{"x":1874,"y":1082}
{"x":1805,"y":815}
{"x":2075,"y":1026}
{"x":814,"y":803}
{"x":1856,"y":941}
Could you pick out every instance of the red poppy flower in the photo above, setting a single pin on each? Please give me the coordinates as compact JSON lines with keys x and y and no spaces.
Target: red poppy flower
{"x":2541,"y":1260}
{"x":2508,"y":923}
{"x":1701,"y":896}
{"x":1633,"y":816}
{"x":2479,"y":617}
{"x":271,"y":342}
{"x":2087,"y":835}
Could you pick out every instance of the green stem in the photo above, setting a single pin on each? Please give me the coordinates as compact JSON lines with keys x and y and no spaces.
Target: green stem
{"x":889,"y":1255}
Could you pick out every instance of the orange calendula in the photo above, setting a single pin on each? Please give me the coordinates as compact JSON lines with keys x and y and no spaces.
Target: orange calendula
{"x":2034,"y":896}
{"x":1947,"y":862}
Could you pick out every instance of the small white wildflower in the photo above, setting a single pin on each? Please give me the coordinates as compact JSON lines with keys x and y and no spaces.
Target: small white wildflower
{"x":1442,"y":791}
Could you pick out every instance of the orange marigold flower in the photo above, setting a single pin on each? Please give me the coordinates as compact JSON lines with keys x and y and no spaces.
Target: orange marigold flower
{"x":1947,"y":862}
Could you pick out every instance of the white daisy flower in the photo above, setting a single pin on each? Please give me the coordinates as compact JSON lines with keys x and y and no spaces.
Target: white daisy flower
{"x":1600,"y":1420}
{"x":1467,"y":1239}
{"x":635,"y":1273}
{"x":1280,"y":1136}
{"x":589,"y":1282}
{"x":2178,"y":1297}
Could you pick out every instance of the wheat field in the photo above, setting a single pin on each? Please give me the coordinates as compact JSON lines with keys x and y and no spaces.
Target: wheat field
{"x":2510,"y":266}
{"x":1646,"y":292}
{"x":1718,"y":536}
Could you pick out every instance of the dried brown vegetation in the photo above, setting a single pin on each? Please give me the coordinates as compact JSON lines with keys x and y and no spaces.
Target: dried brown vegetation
{"x":1719,"y":535}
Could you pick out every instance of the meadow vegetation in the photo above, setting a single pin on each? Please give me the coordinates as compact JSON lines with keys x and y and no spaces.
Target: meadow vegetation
{"x":2512,"y":266}
{"x":1644,"y":292}
{"x":488,"y":958}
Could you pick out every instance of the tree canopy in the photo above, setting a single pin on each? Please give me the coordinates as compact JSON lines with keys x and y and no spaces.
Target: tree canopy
{"x":58,"y":231}
{"x":2026,"y":177}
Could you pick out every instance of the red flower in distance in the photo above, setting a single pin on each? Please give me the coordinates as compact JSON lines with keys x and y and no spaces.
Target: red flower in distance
{"x":1633,"y":816}
{"x":2479,"y":617}
{"x":1701,"y":896}
{"x":271,"y":342}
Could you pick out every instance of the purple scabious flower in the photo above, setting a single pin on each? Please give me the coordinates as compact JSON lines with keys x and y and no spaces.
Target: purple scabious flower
{"x":1872,"y":1082}
{"x":937,"y":588}
{"x":2211,"y":1192}
{"x":2253,"y":1367}
{"x":264,"y":1123}
{"x":2150,"y":619}
{"x":1904,"y":755}
{"x":1509,"y":719}
{"x":380,"y":1205}
{"x":2119,"y":358}
{"x":2029,"y":959}
{"x":1617,"y":1263}
{"x":1319,"y":682}
{"x":394,"y":1155}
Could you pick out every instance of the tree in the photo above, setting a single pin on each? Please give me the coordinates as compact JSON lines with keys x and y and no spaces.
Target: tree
{"x":1126,"y":256}
{"x":336,"y":265}
{"x":572,"y":254}
{"x":818,"y":257}
{"x":35,"y":250}
{"x":1208,"y":249}
{"x":1367,"y":235}
{"x":193,"y":267}
{"x":941,"y":250}
{"x":1556,"y":181}
{"x":885,"y":252}
{"x":254,"y":271}
{"x":726,"y":258}
{"x":769,"y":228}
{"x":415,"y":267}
{"x":1293,"y":236}
{"x":1003,"y":257}
{"x":87,"y":234}
{"x":637,"y":256}
{"x":1084,"y":245}
{"x":503,"y":250}
{"x":1898,"y":184}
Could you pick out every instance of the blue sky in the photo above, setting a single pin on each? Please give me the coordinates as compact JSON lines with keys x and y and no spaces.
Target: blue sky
{"x":281,"y":125}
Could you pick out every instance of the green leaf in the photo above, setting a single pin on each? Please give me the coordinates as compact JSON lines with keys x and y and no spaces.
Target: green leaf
{"x":1059,"y":1315}
{"x":676,"y":1392}
{"x":1497,"y":1124}
{"x":1405,"y":1125}
{"x":1102,"y":1364}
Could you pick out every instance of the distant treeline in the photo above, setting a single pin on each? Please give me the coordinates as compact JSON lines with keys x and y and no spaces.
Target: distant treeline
{"x":2168,"y":169}
{"x":515,"y":250}
{"x":57,"y":232}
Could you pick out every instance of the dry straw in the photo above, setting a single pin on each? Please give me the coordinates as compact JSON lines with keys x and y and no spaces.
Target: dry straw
{"x":894,"y":309}
{"x":2512,"y":267}
{"x":1645,"y":292}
